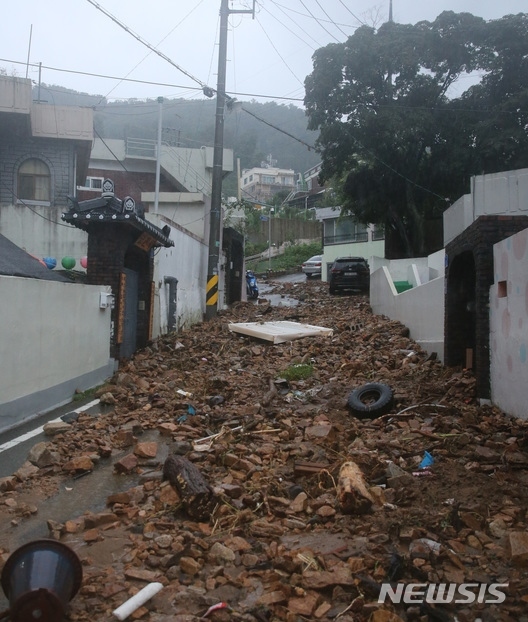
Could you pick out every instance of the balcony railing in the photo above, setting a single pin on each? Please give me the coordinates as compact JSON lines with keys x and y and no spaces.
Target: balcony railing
{"x":345,"y":238}
{"x":141,"y":148}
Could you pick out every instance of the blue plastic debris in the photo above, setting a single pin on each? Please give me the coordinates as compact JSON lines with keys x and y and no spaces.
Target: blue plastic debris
{"x":427,"y":461}
{"x":190,"y":411}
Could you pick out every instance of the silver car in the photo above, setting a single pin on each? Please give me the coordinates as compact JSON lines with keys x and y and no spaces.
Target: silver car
{"x":312,"y":267}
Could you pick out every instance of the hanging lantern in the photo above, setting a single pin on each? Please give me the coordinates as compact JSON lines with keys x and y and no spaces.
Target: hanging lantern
{"x":50,"y":262}
{"x":84,"y":262}
{"x":68,"y":263}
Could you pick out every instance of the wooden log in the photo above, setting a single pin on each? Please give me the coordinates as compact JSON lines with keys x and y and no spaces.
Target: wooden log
{"x":352,"y":491}
{"x":301,"y":468}
{"x":197,"y":496}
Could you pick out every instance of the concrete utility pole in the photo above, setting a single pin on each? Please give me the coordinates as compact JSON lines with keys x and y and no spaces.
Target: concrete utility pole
{"x":215,"y":217}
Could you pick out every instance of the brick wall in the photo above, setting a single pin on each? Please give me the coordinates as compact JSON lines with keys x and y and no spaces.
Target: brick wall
{"x":110,"y":250}
{"x":128,"y":184}
{"x":58,"y":155}
{"x":469,"y":275}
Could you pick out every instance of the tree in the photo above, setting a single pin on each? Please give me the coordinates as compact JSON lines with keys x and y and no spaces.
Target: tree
{"x":393,"y":140}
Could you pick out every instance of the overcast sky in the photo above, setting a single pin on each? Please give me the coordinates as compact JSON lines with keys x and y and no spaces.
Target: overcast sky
{"x":268,"y":57}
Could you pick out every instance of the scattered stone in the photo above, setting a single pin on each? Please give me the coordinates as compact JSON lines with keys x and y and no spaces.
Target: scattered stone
{"x":78,"y":464}
{"x":126,"y":464}
{"x":52,"y":428}
{"x":42,"y":455}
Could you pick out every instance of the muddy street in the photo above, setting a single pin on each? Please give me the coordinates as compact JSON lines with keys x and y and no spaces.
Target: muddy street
{"x":237,"y":470}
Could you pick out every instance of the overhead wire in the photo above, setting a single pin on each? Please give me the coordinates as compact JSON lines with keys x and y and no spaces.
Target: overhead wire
{"x":315,"y":18}
{"x":307,"y":43}
{"x":278,"y":53}
{"x":147,"y":44}
{"x":335,"y":24}
{"x":159,"y":43}
{"x":360,"y":21}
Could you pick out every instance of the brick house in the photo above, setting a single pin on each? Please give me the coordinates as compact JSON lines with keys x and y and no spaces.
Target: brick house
{"x":44,"y":155}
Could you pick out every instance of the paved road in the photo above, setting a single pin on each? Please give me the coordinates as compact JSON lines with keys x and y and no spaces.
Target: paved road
{"x":16,"y":443}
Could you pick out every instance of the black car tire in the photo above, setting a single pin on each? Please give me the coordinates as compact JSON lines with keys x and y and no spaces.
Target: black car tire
{"x":332,"y":290}
{"x":371,"y":400}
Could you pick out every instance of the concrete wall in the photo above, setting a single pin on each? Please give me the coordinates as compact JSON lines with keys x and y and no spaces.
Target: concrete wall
{"x":504,"y":193}
{"x":509,"y":326}
{"x":421,"y":308}
{"x":188,"y":209}
{"x":40,"y":231}
{"x":54,"y":339}
{"x":186,"y":261}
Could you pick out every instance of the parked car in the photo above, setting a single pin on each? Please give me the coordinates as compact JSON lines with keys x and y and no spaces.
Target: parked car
{"x":312,"y":267}
{"x":349,"y":273}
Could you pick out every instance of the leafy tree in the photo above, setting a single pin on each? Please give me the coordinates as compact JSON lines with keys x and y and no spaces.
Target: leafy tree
{"x":394,"y":142}
{"x":243,"y":216}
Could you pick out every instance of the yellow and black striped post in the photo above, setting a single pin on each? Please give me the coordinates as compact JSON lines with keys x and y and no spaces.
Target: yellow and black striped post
{"x":211,"y":295}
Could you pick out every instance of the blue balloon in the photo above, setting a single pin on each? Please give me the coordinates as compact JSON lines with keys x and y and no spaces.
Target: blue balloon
{"x":50,"y":262}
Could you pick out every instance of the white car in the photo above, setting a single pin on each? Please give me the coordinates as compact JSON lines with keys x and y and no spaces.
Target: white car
{"x":312,"y":267}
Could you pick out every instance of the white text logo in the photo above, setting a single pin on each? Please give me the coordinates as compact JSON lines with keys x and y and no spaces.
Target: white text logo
{"x":463,"y":593}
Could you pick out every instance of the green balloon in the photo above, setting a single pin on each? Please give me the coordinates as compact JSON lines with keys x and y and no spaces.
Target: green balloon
{"x":68,"y":263}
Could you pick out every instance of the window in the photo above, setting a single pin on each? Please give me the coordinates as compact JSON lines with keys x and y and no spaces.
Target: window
{"x":268,"y":179}
{"x":34,"y":181}
{"x":93,"y":183}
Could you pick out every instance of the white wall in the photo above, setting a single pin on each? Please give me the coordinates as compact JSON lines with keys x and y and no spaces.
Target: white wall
{"x":509,"y":326}
{"x":493,"y":194}
{"x":54,"y":339}
{"x":187,"y":209}
{"x":187,"y":261}
{"x":421,"y":308}
{"x":41,"y":232}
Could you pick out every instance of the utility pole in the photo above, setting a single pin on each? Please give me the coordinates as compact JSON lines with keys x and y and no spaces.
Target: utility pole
{"x":158,"y":155}
{"x":215,"y":216}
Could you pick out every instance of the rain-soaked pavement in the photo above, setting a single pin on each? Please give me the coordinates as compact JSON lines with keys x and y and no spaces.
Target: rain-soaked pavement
{"x":279,"y":300}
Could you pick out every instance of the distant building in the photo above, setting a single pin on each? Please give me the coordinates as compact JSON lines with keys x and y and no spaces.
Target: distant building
{"x":262,"y":183}
{"x":308,"y":193}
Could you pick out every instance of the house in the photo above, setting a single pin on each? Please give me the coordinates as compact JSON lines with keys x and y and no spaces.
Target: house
{"x":468,"y":303}
{"x":262,"y":183}
{"x":343,"y":236}
{"x":182,"y":203}
{"x":44,"y":152}
{"x":308,"y":193}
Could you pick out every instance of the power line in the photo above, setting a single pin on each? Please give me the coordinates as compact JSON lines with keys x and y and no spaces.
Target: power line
{"x":315,"y":18}
{"x":278,"y":53}
{"x":291,"y":31}
{"x":336,"y":25}
{"x":159,"y":42}
{"x":148,"y":45}
{"x":148,"y":82}
{"x":310,"y":147}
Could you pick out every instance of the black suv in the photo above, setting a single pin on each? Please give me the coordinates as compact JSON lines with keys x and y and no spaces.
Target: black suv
{"x":349,"y":273}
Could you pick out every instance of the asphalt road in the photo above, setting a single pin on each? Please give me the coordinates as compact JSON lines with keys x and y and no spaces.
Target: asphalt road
{"x":16,"y":443}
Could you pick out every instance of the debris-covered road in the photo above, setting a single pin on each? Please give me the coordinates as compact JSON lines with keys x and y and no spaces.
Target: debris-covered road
{"x":237,"y":450}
